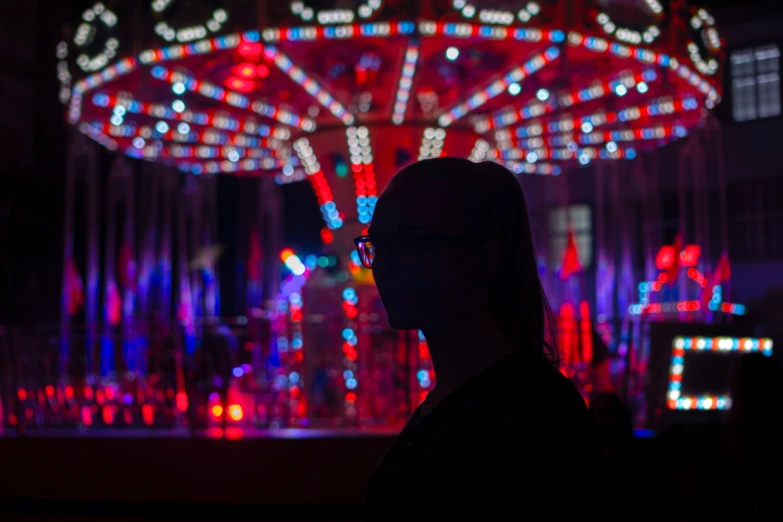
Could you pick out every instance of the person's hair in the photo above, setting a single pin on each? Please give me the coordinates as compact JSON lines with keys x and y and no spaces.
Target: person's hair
{"x":495,"y":209}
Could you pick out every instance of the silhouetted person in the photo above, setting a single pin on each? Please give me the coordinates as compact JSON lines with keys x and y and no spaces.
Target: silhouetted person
{"x":503,"y":433}
{"x":618,"y":463}
{"x":752,"y":456}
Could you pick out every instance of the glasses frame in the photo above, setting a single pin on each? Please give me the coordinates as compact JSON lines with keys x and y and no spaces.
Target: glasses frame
{"x":366,"y":238}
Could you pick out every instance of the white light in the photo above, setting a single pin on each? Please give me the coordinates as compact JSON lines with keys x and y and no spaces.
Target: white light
{"x":531,"y":157}
{"x":641,"y":87}
{"x":116,"y":120}
{"x":138,"y":142}
{"x":233,"y":156}
{"x":469,"y":11}
{"x":611,"y":146}
{"x":119,"y":110}
{"x":178,"y":105}
{"x":542,"y":94}
{"x":620,"y":90}
{"x":584,"y":159}
{"x":514,"y":89}
{"x":587,"y":127}
{"x":533,"y":8}
{"x":288,"y":170}
{"x":452,"y":53}
{"x":178,"y":87}
{"x":162,"y":127}
{"x":183,"y":128}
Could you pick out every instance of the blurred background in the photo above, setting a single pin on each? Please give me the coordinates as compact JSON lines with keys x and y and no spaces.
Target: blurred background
{"x":186,"y":330}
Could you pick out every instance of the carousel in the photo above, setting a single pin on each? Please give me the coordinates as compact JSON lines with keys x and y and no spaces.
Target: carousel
{"x":337,"y":95}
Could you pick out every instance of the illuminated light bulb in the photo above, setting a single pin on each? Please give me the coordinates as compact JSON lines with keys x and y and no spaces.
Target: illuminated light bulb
{"x":138,"y":142}
{"x":233,"y":156}
{"x":514,"y":89}
{"x":178,"y":87}
{"x":587,"y":127}
{"x":542,"y":94}
{"x":620,"y":90}
{"x":183,"y":128}
{"x":235,"y":412}
{"x":115,"y":120}
{"x":468,"y":11}
{"x":452,"y":53}
{"x":531,"y":157}
{"x":611,"y":146}
{"x":642,"y":87}
{"x":217,"y":410}
{"x":178,"y":105}
{"x":584,"y":159}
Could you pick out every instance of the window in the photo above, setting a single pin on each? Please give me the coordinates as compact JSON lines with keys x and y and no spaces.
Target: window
{"x":755,"y":83}
{"x":579,"y":218}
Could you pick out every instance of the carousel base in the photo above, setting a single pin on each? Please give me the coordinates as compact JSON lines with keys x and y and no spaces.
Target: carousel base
{"x":154,"y":474}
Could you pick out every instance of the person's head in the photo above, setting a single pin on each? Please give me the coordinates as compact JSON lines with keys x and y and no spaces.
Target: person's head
{"x":756,"y":389}
{"x":452,"y":241}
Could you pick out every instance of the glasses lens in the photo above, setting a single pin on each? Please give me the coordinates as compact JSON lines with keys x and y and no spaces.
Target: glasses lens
{"x":366,"y":252}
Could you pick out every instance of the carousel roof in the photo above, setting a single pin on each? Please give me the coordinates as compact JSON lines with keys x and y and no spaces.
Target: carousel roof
{"x":344,"y":96}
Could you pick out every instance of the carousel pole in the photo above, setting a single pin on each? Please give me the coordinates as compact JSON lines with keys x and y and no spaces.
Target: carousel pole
{"x":65,"y":315}
{"x":111,"y":292}
{"x":130,"y":346}
{"x":93,"y":266}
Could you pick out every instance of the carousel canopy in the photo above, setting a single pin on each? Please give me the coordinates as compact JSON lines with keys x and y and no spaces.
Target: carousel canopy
{"x":344,"y":93}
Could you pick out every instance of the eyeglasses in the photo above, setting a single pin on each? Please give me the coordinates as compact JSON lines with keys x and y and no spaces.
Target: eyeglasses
{"x":407,"y":250}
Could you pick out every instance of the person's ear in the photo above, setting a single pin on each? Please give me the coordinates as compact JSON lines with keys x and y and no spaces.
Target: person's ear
{"x":489,"y":258}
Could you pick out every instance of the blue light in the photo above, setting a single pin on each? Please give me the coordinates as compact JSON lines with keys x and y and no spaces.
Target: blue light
{"x":350,"y":384}
{"x":127,"y":398}
{"x":355,"y":257}
{"x":311,"y":261}
{"x":557,"y":36}
{"x":406,"y":27}
{"x":348,"y":333}
{"x":423,"y":374}
{"x":739,"y":309}
{"x":349,"y":294}
{"x":238,"y":372}
{"x":347,"y":374}
{"x":295,"y":298}
{"x":425,"y":383}
{"x":293,"y":377}
{"x":296,"y":344}
{"x":251,"y":36}
{"x":361,"y":200}
{"x":675,"y":386}
{"x":329,"y":206}
{"x":630,"y":153}
{"x":677,"y":360}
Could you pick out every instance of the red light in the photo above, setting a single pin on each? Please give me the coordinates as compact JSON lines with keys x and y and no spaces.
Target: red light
{"x":239,"y":84}
{"x":350,"y":397}
{"x":351,"y":356}
{"x":147,"y":414}
{"x":69,"y":392}
{"x":22,"y":393}
{"x":182,"y":401}
{"x":326,"y":236}
{"x":108,"y":414}
{"x":294,"y":390}
{"x":245,"y":70}
{"x":217,"y":410}
{"x":298,"y":356}
{"x":235,"y":412}
{"x":285,"y":254}
{"x":665,"y":257}
{"x":250,"y":49}
{"x":262,"y":70}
